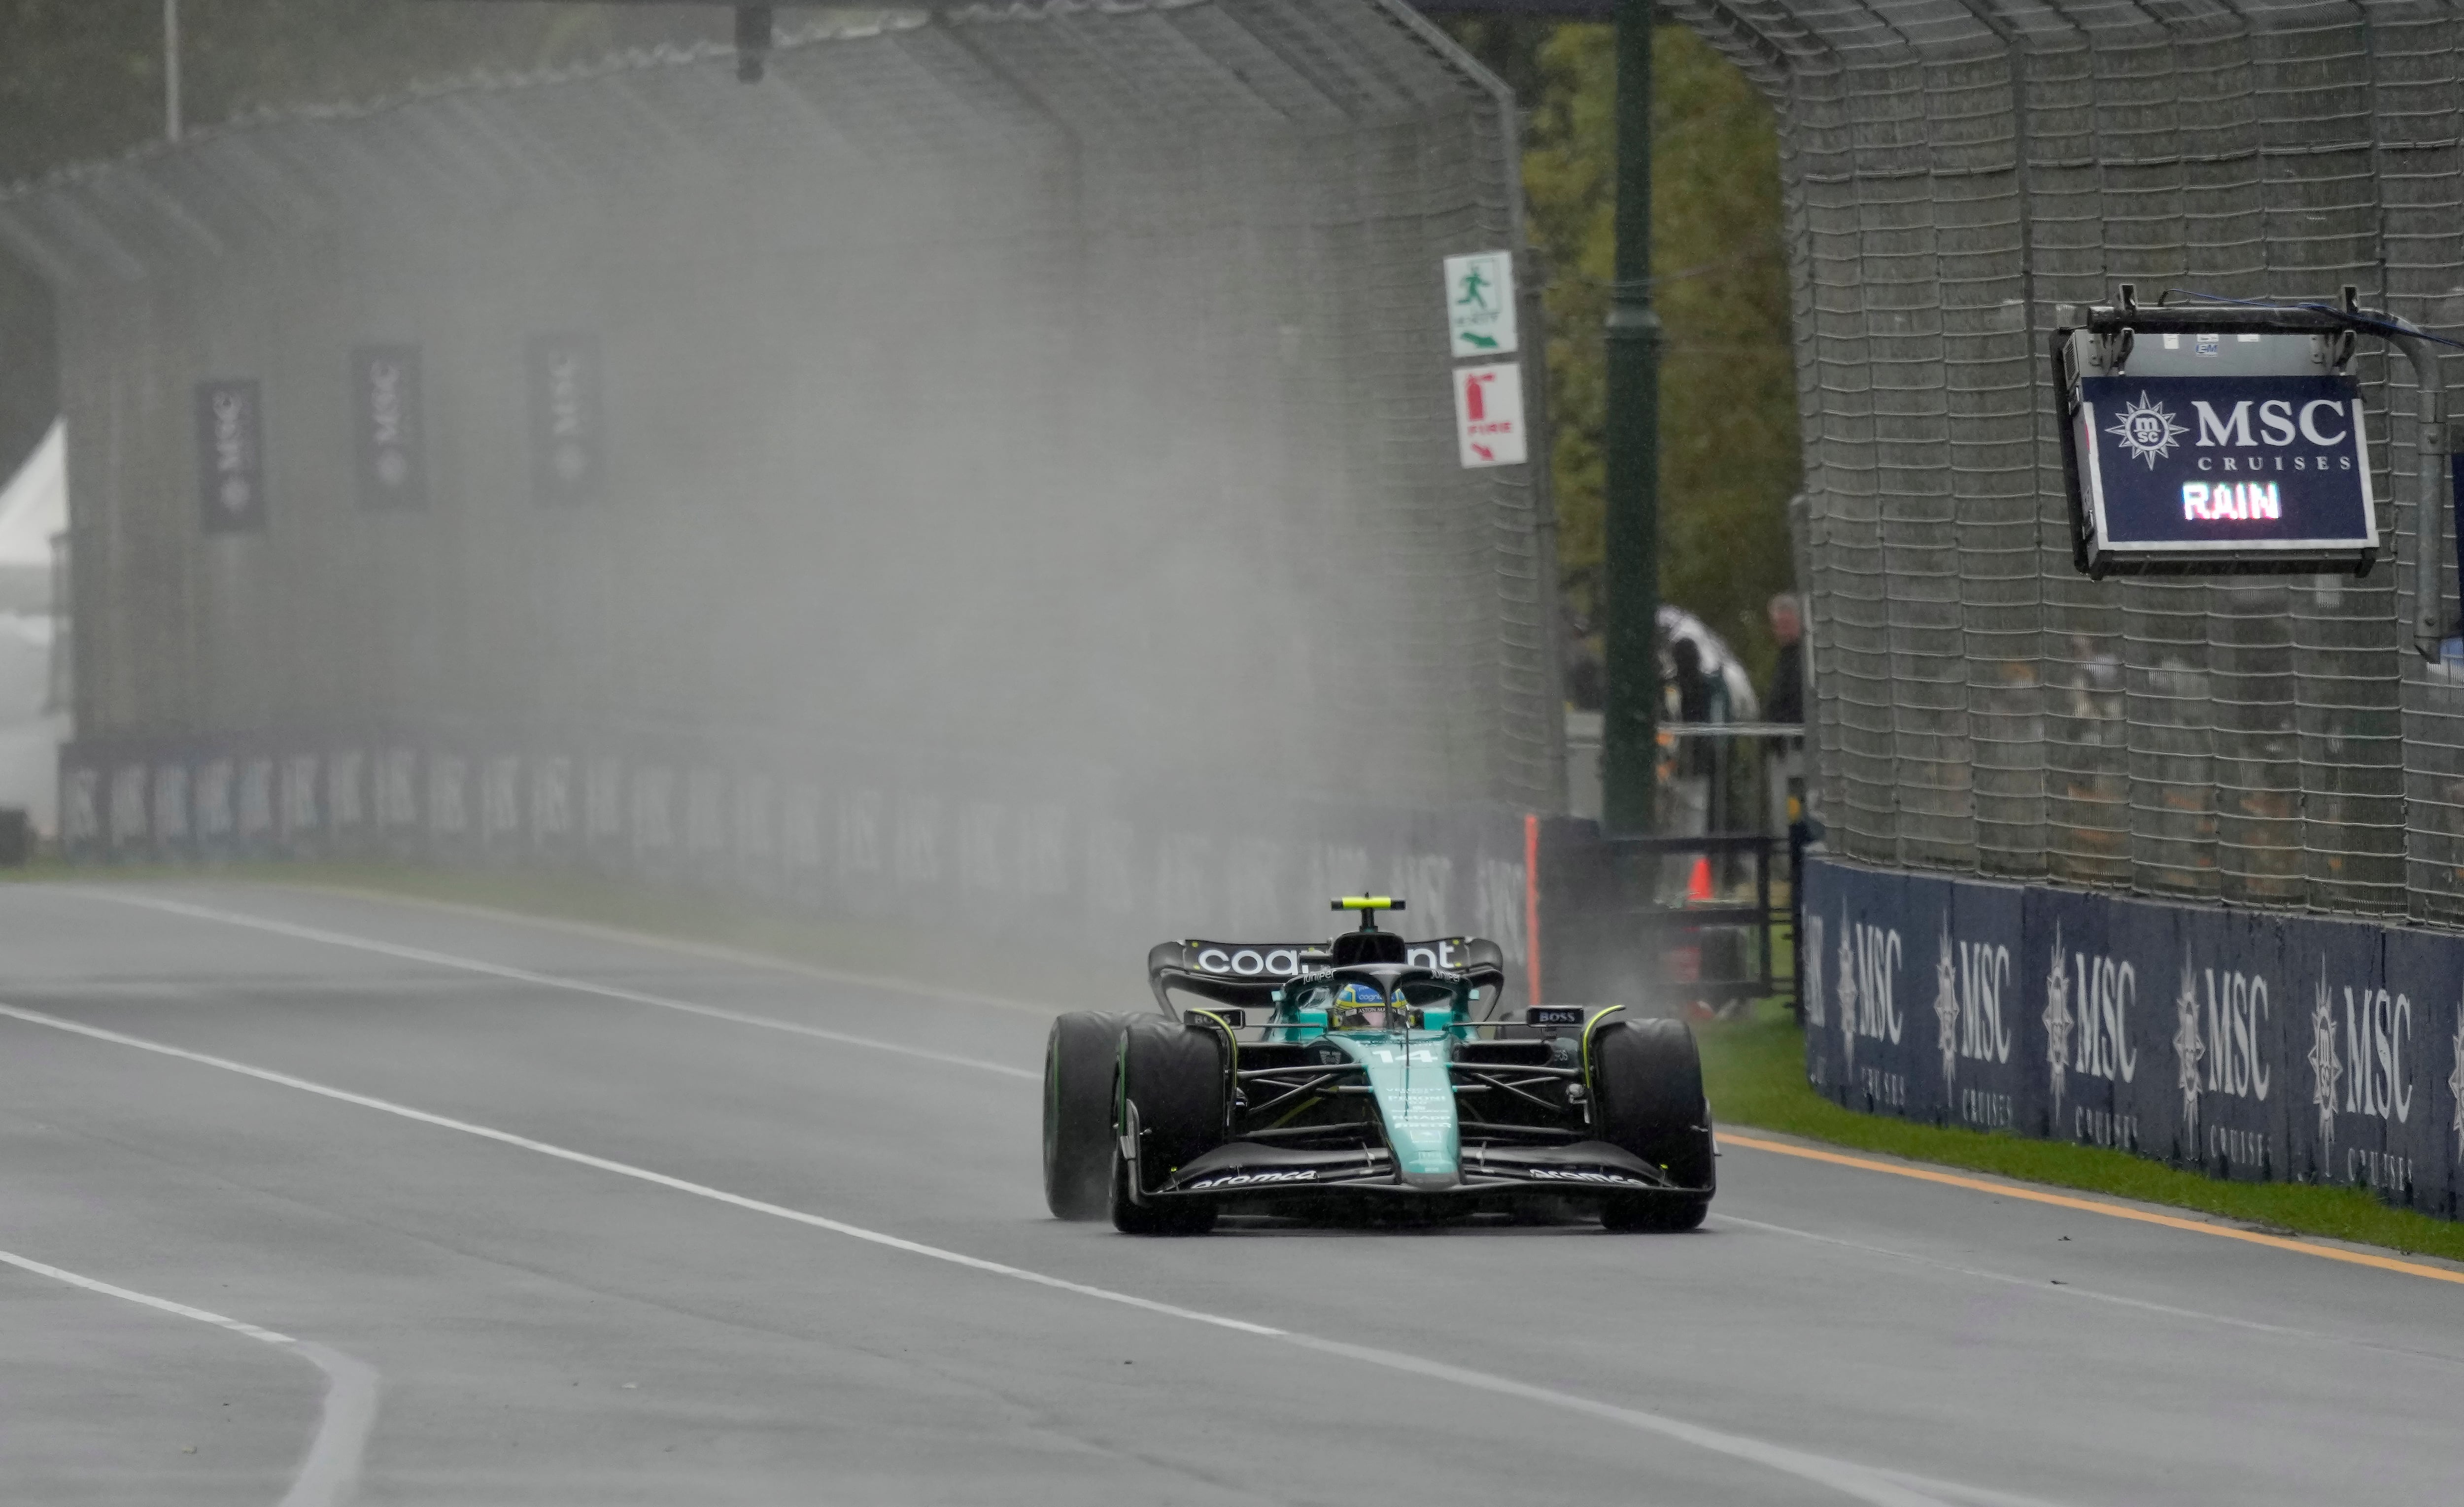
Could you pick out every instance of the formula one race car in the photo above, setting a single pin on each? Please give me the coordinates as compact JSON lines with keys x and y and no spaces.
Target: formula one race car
{"x":1379,"y":1079}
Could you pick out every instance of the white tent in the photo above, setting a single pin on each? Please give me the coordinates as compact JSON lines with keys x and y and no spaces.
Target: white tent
{"x":33,"y":506}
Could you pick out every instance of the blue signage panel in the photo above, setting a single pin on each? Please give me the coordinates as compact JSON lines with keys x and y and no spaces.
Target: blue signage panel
{"x":568,"y":422}
{"x":391,"y":426}
{"x":2224,"y":466}
{"x":2247,"y":1045}
{"x":230,"y":456}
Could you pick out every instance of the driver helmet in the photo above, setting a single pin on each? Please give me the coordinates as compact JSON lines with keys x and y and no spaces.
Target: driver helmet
{"x":1359,"y":1006}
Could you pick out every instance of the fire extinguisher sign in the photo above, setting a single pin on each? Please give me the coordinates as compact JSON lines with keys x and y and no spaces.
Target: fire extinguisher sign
{"x":1488,"y":414}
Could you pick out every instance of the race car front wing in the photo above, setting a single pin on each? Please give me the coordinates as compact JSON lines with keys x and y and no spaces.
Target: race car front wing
{"x":1255,"y":1173}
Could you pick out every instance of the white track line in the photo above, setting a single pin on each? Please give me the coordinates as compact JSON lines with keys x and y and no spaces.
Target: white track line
{"x":1881,"y":1488}
{"x":330,"y":1472}
{"x":2068,"y":1290}
{"x":682,"y":946}
{"x":550,"y":980}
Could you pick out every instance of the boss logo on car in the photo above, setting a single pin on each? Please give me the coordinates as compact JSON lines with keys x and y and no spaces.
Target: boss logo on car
{"x":1585,"y":1175}
{"x":1255,"y":1179}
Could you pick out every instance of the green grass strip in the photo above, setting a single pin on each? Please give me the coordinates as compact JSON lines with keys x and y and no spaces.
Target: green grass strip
{"x":1754,"y":1070}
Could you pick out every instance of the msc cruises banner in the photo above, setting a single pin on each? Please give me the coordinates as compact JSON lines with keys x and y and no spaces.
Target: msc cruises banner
{"x":2227,"y":464}
{"x":390,"y":426}
{"x":230,"y":456}
{"x":567,"y":419}
{"x":1023,"y":852}
{"x":2249,"y":1045}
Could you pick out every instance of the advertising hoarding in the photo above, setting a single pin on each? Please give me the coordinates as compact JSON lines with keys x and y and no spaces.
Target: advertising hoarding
{"x":2215,"y":452}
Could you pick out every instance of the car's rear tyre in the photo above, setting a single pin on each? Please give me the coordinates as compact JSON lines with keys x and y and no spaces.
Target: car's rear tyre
{"x":1649,"y":1079}
{"x":1079,"y":1059}
{"x":1172,"y":1075}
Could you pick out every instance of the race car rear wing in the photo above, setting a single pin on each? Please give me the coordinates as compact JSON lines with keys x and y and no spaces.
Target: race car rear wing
{"x":1249,"y":972}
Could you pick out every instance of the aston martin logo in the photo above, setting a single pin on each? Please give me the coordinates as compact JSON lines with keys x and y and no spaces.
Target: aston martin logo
{"x":1846,"y":989}
{"x":2146,"y":431}
{"x":2187,"y":1047}
{"x":2326,"y":1071}
{"x":1945,"y":1008}
{"x":2058,"y":1019}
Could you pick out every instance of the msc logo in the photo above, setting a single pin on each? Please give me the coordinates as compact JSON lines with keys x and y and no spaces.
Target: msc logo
{"x":1869,"y":965}
{"x":2365,"y":1059}
{"x":2087,"y":1017}
{"x":1968,"y":978}
{"x":2147,"y":429}
{"x":2277,"y":424}
{"x":2220,"y":1022}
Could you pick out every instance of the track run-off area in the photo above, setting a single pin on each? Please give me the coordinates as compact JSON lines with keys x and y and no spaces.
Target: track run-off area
{"x":568,"y":1217}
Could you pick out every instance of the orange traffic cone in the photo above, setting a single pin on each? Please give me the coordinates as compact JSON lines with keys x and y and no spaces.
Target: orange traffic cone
{"x":1698,"y":886}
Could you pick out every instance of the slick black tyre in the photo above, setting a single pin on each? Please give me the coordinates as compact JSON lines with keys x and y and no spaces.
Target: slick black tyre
{"x":1170,"y":1084}
{"x":1649,"y":1079}
{"x":1079,"y":1059}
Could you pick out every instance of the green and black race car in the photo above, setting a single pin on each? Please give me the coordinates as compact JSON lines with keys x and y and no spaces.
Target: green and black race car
{"x":1380,"y":1077}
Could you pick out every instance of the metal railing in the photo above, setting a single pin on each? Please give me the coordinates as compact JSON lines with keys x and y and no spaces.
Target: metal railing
{"x":1690,"y":915}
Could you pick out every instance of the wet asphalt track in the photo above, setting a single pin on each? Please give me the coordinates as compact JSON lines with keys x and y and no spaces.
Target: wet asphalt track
{"x":551,"y":1330}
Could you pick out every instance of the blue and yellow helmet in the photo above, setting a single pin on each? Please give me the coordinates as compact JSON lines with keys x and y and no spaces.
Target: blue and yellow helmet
{"x":1359,"y":1006}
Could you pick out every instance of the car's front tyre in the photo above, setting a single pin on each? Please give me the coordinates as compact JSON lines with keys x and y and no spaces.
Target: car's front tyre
{"x":1169,"y":1085}
{"x":1649,"y":1079}
{"x":1079,"y":1060}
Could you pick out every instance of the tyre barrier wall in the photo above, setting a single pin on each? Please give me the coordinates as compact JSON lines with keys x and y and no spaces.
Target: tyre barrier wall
{"x":1020,"y":855}
{"x":2248,"y":1045}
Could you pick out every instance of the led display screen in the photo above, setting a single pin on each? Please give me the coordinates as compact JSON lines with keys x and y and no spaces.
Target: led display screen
{"x":2223,"y":466}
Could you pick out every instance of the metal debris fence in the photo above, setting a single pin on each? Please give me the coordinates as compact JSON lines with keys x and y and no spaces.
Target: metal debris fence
{"x":1955,"y":172}
{"x":1180,"y":257}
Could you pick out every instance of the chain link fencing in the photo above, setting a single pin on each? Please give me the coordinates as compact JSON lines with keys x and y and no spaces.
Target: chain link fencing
{"x":1955,"y":173}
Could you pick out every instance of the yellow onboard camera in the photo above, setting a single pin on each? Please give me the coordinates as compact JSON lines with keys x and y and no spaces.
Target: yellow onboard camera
{"x":1367,"y":905}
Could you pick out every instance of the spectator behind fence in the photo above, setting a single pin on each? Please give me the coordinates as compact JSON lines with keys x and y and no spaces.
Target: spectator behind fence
{"x":1691,"y":789}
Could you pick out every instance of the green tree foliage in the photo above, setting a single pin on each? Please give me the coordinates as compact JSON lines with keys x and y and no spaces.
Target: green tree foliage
{"x":1727,"y":414}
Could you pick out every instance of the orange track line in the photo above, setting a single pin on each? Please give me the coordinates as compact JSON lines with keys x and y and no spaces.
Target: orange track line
{"x":1728,"y":1138}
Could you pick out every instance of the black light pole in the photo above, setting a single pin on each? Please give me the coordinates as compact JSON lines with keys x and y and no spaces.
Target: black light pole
{"x":1630,"y":555}
{"x":754,"y":34}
